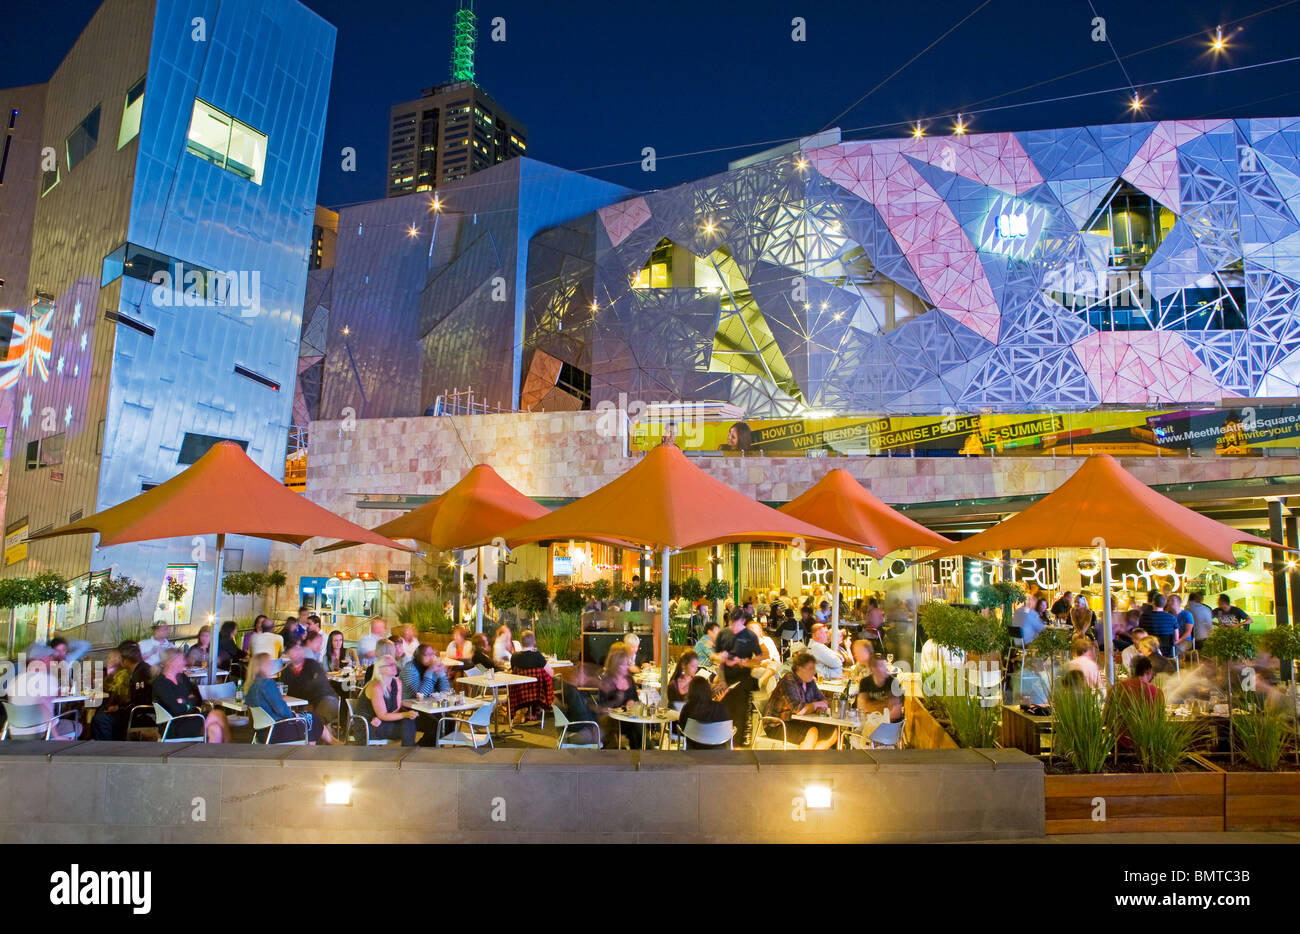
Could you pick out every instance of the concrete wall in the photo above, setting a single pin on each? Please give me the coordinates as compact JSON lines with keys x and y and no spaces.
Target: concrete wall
{"x":146,"y":793}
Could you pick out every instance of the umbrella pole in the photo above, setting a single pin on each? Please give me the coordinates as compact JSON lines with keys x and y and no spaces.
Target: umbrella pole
{"x":1105,"y":612}
{"x":215,"y":644}
{"x":835,"y":603}
{"x":663,"y":626}
{"x":482,"y":585}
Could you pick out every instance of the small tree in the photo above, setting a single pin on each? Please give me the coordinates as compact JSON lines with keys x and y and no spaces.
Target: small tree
{"x":243,"y":584}
{"x":533,"y":598}
{"x":13,"y":594}
{"x":692,"y":589}
{"x":276,"y":579}
{"x":1004,"y":594}
{"x":176,"y":591}
{"x":601,"y":590}
{"x":115,"y":592}
{"x":569,"y":601}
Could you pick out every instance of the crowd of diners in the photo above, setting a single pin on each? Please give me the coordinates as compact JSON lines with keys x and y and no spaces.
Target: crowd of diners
{"x":1156,"y":644}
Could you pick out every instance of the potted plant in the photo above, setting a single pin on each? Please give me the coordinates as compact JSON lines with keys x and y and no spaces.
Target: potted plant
{"x":533,"y":598}
{"x":717,"y":590}
{"x":971,"y":639}
{"x":1226,"y":645}
{"x":276,"y":579}
{"x":1003,"y":594}
{"x":601,"y":590}
{"x":176,"y":591}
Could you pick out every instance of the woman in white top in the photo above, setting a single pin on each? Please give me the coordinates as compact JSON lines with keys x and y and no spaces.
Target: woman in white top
{"x":459,"y":647}
{"x":407,"y":645}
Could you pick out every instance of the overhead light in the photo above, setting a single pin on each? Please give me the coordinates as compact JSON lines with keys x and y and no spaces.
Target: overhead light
{"x":338,"y":791}
{"x":595,"y":306}
{"x":1158,"y":561}
{"x":960,"y":128}
{"x":413,"y":231}
{"x":709,"y":226}
{"x":1136,"y":103}
{"x":918,"y":131}
{"x":1219,"y":44}
{"x":346,"y":330}
{"x":818,"y":796}
{"x":802,"y":163}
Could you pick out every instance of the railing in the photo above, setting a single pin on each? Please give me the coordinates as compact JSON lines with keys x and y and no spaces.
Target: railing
{"x":458,"y":402}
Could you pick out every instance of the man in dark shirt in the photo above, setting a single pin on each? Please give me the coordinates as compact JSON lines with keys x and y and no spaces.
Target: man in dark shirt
{"x":1161,"y":624}
{"x":1228,"y":615}
{"x":739,"y":652}
{"x":1061,"y":608}
{"x":306,"y":678}
{"x":108,"y":724}
{"x":527,"y":657}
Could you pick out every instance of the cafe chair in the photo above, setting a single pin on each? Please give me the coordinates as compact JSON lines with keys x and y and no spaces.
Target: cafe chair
{"x":212,"y":693}
{"x":139,"y":720}
{"x":263,"y":721}
{"x":711,"y":734}
{"x":466,"y":731}
{"x":165,"y":721}
{"x":884,"y":734}
{"x":763,"y":741}
{"x":352,"y":719}
{"x":563,"y":724}
{"x":28,"y":716}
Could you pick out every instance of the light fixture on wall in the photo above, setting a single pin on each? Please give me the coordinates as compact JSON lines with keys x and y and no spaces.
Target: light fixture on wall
{"x":338,"y":791}
{"x":1088,"y":565}
{"x":818,"y":796}
{"x":1160,"y":562}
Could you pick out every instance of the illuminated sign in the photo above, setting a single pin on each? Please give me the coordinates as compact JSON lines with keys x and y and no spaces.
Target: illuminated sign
{"x":1012,"y":227}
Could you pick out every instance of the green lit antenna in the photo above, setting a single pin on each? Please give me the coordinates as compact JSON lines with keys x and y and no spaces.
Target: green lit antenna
{"x":463,"y":36}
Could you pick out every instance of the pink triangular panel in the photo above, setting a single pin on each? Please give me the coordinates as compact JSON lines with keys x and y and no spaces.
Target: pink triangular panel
{"x":623,"y":218}
{"x":1146,"y":367}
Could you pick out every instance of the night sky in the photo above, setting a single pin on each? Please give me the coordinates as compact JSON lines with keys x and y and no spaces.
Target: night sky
{"x":595,"y":82}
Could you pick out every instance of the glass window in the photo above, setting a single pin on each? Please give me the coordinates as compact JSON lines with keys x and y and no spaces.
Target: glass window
{"x":49,"y":180}
{"x":82,"y":140}
{"x":131,"y":113}
{"x":52,"y":450}
{"x":33,"y":454}
{"x":224,"y":141}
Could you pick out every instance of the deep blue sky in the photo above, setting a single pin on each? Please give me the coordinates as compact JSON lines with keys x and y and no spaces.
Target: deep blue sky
{"x":597,"y":81}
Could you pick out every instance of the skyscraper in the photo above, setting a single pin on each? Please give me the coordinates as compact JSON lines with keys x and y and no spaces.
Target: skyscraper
{"x":453,"y":129}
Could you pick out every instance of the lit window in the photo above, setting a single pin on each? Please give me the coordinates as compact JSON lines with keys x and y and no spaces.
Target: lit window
{"x":224,"y":141}
{"x":82,"y":140}
{"x":131,"y":113}
{"x":49,"y":180}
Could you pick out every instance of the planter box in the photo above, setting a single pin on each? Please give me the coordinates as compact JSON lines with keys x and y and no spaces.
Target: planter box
{"x":921,"y":730}
{"x":1262,"y":801}
{"x":436,"y":639}
{"x":1181,"y":801}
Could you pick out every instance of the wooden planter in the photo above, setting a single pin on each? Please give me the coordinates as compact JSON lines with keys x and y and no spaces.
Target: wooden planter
{"x":438,"y":640}
{"x":1136,"y":802}
{"x":921,"y":730}
{"x":1262,"y":801}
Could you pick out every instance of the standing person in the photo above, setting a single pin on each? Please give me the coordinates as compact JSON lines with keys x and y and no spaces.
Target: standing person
{"x":637,"y":603}
{"x":738,"y":653}
{"x":381,"y":703}
{"x":1228,"y":615}
{"x":175,"y":693}
{"x":1161,"y":623}
{"x":875,"y":619}
{"x":1185,"y":622}
{"x":367,"y":643}
{"x":1061,"y":608}
{"x":1084,"y":661}
{"x":305,"y":677}
{"x":247,"y":645}
{"x":1028,"y":620}
{"x":503,"y":646}
{"x":292,"y":630}
{"x":314,"y":645}
{"x":1202,"y":617}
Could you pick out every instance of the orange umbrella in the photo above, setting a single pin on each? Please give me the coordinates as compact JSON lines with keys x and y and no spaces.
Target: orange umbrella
{"x":473,"y":512}
{"x":221,"y":493}
{"x":839,"y":503}
{"x":669,"y":504}
{"x":1103,"y":504}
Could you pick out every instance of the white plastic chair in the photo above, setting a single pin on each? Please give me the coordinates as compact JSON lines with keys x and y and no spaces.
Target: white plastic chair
{"x":27,"y":716}
{"x":480,"y":719}
{"x":710,"y":734}
{"x":164,"y":721}
{"x":349,"y":716}
{"x":878,"y":731}
{"x":563,"y":723}
{"x":264,"y":721}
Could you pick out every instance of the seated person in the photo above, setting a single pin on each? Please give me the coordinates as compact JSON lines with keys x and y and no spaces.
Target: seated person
{"x":407,"y":645}
{"x":337,"y":657}
{"x":459,"y":647}
{"x":306,"y":678}
{"x":1137,"y":640}
{"x":797,"y":694}
{"x":530,"y":699}
{"x":503,"y":646}
{"x":1137,"y":689}
{"x":482,"y":657}
{"x":633,"y":643}
{"x":198,"y":654}
{"x":265,"y":642}
{"x":151,"y":649}
{"x":314,"y":645}
{"x":38,"y":686}
{"x":117,"y":697}
{"x":262,"y":690}
{"x":688,"y":663}
{"x":1084,"y":661}
{"x":576,"y":707}
{"x":830,"y":667}
{"x":702,"y":706}
{"x":175,"y":693}
{"x":879,"y":692}
{"x":227,"y":651}
{"x":425,"y":674}
{"x":617,"y":691}
{"x":380,"y":703}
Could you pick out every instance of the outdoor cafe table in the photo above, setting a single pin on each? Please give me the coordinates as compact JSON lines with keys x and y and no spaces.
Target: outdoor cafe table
{"x":847,"y":723}
{"x":439,"y":710}
{"x":499,"y":680}
{"x":241,"y":707}
{"x":661,"y":719}
{"x":195,"y":674}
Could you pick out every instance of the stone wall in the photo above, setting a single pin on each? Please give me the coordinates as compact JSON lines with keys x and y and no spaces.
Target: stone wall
{"x":567,"y":454}
{"x":153,"y":793}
